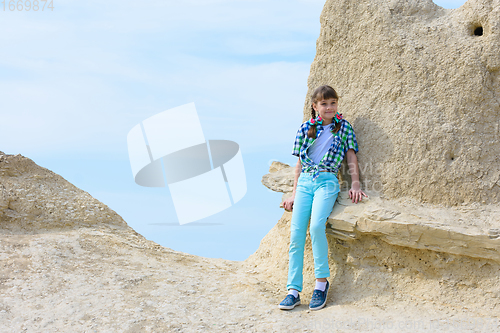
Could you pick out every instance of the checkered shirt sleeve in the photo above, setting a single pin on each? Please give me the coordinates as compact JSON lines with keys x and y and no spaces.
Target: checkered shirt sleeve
{"x":299,"y":140}
{"x":350,"y":140}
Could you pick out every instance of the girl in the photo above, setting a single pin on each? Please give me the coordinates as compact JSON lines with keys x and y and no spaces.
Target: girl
{"x":321,"y":144}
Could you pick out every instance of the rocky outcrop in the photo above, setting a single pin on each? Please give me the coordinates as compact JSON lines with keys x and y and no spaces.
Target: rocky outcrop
{"x":383,"y":250}
{"x":470,"y":230}
{"x":421,"y":86}
{"x":99,"y":275}
{"x":68,"y":263}
{"x":78,"y":274}
{"x":34,"y":199}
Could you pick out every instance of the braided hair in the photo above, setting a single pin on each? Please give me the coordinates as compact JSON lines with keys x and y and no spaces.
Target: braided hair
{"x":323,"y":92}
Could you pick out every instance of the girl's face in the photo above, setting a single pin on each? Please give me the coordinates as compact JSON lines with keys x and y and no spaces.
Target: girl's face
{"x":327,"y":108}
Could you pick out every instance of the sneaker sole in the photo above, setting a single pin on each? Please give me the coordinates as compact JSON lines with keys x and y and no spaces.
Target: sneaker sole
{"x":288,"y":307}
{"x":318,"y":307}
{"x":322,"y":305}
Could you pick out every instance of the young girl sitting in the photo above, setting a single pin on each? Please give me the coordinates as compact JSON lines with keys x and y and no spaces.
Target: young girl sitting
{"x":321,"y":144}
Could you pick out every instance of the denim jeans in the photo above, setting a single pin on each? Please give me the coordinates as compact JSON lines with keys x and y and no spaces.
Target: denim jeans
{"x":314,"y":200}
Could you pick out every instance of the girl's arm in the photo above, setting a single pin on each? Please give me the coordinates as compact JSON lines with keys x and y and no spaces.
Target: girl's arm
{"x":355,"y":192}
{"x":288,"y":203}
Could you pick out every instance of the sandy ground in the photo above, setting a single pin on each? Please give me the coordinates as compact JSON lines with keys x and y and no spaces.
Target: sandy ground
{"x":68,"y":263}
{"x":109,"y":279}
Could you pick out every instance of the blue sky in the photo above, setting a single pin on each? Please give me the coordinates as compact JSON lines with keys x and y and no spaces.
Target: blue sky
{"x":75,"y":80}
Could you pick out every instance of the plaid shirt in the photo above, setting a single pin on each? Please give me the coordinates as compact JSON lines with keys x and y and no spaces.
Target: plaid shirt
{"x":343,"y":140}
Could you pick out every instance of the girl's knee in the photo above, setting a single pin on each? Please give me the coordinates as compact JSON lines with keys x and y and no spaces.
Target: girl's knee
{"x":298,"y":234}
{"x":297,"y":243}
{"x":317,"y":229}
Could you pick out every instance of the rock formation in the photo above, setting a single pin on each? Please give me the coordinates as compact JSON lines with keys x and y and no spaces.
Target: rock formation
{"x":421,"y":86}
{"x":68,"y":263}
{"x":73,"y":273}
{"x":471,"y":230}
{"x":382,"y":249}
{"x":34,"y":199}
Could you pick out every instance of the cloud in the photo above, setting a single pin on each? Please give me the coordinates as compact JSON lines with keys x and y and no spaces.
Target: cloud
{"x":89,"y":113}
{"x":78,"y":78}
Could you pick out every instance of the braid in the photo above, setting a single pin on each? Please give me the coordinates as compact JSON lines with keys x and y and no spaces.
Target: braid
{"x":312,"y":130}
{"x":313,"y":113}
{"x":337,"y":126}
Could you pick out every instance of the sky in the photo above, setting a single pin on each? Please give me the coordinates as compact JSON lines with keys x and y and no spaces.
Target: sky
{"x":76,"y":79}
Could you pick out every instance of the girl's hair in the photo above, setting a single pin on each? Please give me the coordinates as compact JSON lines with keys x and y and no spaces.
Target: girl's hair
{"x":323,"y":92}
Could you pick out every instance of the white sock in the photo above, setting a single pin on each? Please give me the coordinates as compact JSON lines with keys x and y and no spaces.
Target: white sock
{"x":293,"y":292}
{"x":320,"y":285}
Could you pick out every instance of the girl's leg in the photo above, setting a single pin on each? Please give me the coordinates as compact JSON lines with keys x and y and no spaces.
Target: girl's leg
{"x":298,"y":227}
{"x":325,"y":194}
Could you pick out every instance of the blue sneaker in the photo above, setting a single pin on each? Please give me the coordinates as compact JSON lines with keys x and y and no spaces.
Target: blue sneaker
{"x":318,"y":299}
{"x":289,"y":302}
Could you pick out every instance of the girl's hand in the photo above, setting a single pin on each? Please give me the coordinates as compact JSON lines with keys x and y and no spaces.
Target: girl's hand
{"x":356,"y":195}
{"x":288,"y":203}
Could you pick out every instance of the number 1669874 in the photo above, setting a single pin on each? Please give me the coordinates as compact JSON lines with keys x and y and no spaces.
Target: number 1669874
{"x":27,"y":5}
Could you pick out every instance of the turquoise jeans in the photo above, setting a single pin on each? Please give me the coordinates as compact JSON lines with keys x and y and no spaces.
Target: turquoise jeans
{"x":313,"y":200}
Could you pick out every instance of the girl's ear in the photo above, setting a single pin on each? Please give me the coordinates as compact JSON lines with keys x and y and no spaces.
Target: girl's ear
{"x":314,"y":107}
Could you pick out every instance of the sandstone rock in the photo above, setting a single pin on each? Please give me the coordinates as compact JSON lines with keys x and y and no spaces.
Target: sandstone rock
{"x":469,"y":230}
{"x":34,"y":199}
{"x":382,"y":251}
{"x":420,"y":84}
{"x":280,"y":177}
{"x":276,"y":166}
{"x":99,"y":275}
{"x":422,"y":90}
{"x":68,"y":263}
{"x":401,"y":68}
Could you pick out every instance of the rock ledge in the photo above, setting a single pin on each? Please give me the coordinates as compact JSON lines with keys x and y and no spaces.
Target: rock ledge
{"x":470,"y":230}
